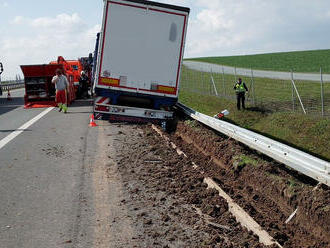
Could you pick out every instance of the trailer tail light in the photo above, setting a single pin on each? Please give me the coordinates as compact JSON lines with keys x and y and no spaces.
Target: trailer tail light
{"x":166,"y":89}
{"x":109,"y":81}
{"x":101,"y":108}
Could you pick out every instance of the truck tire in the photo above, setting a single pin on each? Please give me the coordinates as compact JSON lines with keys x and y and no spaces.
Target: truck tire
{"x":171,"y":125}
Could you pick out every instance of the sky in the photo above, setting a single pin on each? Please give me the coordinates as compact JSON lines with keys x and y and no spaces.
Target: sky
{"x":37,"y":31}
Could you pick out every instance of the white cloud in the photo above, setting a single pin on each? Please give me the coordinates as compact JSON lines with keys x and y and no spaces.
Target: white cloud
{"x":18,"y":20}
{"x":176,"y":2}
{"x":60,"y":23}
{"x":226,"y":27}
{"x":43,"y":39}
{"x":4,"y":4}
{"x":215,"y":28}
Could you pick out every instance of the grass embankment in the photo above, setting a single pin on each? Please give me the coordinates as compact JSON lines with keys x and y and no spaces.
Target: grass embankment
{"x":308,"y":133}
{"x":300,"y":61}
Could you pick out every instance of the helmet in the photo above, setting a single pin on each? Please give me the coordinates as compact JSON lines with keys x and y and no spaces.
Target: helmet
{"x":82,"y":73}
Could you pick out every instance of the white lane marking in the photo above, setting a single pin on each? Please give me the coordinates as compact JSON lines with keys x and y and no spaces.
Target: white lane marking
{"x":14,"y":134}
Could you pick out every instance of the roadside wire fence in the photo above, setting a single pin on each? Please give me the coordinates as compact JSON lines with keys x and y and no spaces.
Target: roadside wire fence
{"x":308,"y":97}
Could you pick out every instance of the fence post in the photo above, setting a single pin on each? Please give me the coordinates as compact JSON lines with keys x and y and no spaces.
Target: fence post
{"x":235,"y":74}
{"x":293,"y":97}
{"x":299,"y":98}
{"x":322,"y":93}
{"x":252,"y":88}
{"x":196,"y":73}
{"x":203,"y":83}
{"x":209,"y":85}
{"x":223,"y":82}
{"x":200,"y":81}
{"x":298,"y":95}
{"x":215,"y":88}
{"x":188,"y":82}
{"x":193,"y":80}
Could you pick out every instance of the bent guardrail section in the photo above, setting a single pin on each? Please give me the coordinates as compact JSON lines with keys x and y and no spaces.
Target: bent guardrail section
{"x":294,"y":158}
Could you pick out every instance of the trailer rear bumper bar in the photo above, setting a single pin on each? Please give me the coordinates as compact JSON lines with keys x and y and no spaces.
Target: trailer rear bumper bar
{"x":108,"y":111}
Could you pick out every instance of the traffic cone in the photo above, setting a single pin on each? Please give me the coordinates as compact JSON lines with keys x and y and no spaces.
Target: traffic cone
{"x":8,"y":96}
{"x":92,"y":121}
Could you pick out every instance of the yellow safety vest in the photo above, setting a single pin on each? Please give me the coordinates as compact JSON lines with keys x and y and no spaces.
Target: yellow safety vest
{"x":240,"y":87}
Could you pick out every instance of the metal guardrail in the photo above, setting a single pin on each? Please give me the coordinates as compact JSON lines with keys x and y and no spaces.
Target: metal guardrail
{"x":12,"y":85}
{"x":294,"y":158}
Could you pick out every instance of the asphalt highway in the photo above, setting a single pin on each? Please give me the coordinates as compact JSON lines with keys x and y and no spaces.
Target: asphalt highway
{"x":41,"y":172}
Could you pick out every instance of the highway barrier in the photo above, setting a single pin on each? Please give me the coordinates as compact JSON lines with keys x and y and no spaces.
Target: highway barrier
{"x":10,"y":85}
{"x":298,"y":160}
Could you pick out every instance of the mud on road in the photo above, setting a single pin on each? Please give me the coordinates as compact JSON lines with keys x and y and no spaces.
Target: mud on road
{"x":168,"y":204}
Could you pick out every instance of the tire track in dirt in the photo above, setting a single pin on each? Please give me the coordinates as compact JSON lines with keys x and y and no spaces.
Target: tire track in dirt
{"x":267,"y":190}
{"x":169,"y":201}
{"x":241,"y":216}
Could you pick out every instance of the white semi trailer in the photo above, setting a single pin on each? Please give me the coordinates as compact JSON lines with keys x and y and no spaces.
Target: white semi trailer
{"x":139,"y":60}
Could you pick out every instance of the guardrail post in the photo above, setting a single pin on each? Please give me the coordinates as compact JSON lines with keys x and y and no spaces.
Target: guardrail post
{"x":322,"y":93}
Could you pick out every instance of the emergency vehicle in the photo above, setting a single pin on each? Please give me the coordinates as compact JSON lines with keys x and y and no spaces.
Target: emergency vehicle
{"x":73,"y":69}
{"x":39,"y":90}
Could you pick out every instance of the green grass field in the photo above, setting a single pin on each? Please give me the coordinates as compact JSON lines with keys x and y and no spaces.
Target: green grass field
{"x":300,"y":61}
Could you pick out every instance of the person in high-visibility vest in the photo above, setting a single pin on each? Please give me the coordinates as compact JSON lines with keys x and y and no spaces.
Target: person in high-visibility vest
{"x":240,"y":89}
